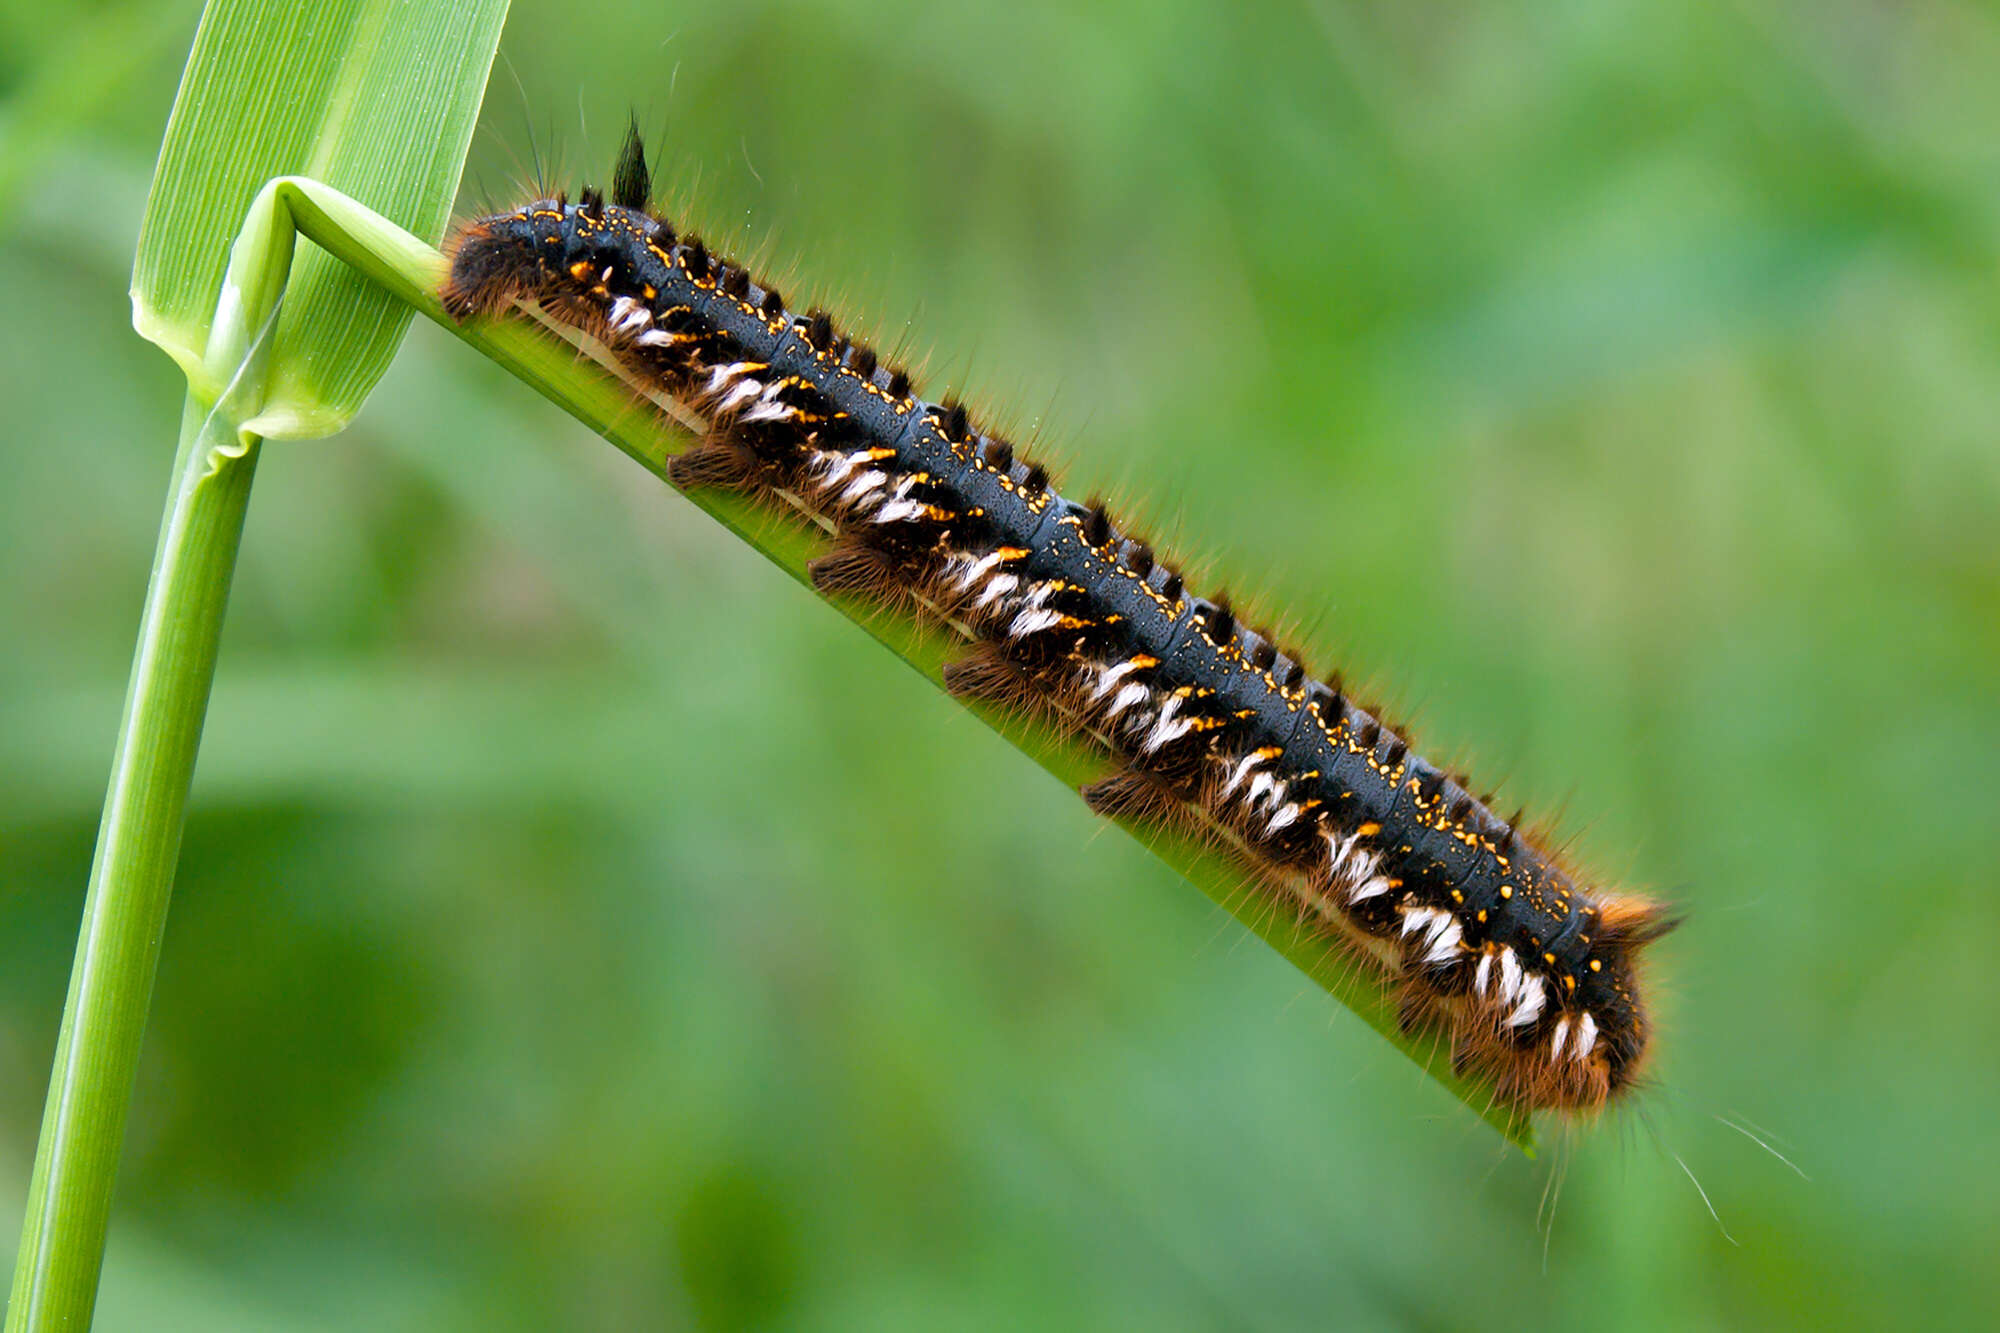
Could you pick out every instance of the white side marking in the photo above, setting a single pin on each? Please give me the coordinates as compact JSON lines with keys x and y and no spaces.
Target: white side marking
{"x":1032,"y":621}
{"x":1441,"y":932}
{"x":1445,"y":940}
{"x":1039,"y":596}
{"x":1109,"y":675}
{"x":863,"y":484}
{"x":839,"y":466}
{"x":1337,"y":851}
{"x":1130,"y":695}
{"x":627,"y":315}
{"x":999,"y":586}
{"x":1373,"y":887}
{"x":1362,"y":866}
{"x":769,"y":409}
{"x":1586,"y":1038}
{"x":1241,"y":771}
{"x":1534,"y":995}
{"x":1167,"y":727}
{"x":978,"y":570}
{"x":746,"y":389}
{"x":899,"y":511}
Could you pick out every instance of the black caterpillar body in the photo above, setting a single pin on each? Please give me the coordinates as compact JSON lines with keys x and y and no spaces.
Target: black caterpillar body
{"x":1533,"y":974}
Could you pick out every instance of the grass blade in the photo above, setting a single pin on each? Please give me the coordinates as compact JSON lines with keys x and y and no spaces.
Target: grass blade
{"x":377,"y":97}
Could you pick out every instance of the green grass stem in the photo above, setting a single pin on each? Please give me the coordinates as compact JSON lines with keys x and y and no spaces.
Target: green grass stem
{"x":380,"y":95}
{"x":131,"y":879}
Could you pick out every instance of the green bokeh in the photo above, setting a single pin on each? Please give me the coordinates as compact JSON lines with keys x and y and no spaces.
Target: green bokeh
{"x":582,"y":927}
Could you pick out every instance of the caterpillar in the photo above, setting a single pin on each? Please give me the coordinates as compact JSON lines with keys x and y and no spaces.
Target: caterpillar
{"x":1484,"y":931}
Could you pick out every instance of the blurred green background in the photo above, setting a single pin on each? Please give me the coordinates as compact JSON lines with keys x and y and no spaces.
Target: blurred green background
{"x":580,"y":926}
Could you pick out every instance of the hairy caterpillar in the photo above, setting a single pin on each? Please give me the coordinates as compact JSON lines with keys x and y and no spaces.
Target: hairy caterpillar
{"x":1534,"y":976}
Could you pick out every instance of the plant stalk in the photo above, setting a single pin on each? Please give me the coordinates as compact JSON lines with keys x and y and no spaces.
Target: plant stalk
{"x":131,"y":878}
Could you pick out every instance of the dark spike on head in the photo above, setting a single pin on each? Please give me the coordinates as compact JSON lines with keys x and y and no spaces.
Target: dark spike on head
{"x":1369,"y":733}
{"x":1294,"y":673}
{"x":955,"y":423}
{"x":1096,"y":526}
{"x":862,"y":362}
{"x":899,"y":384}
{"x":999,"y":455}
{"x":592,"y":204}
{"x":562,"y":198}
{"x":1139,"y":559}
{"x":1171,"y":589}
{"x":631,"y":182}
{"x":736,"y":283}
{"x":773,"y":305}
{"x":1036,"y":481}
{"x":819,"y":329}
{"x":695,"y":256}
{"x":660,"y":234}
{"x":1398,"y":750}
{"x":1263,"y":656}
{"x":1460,"y":808}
